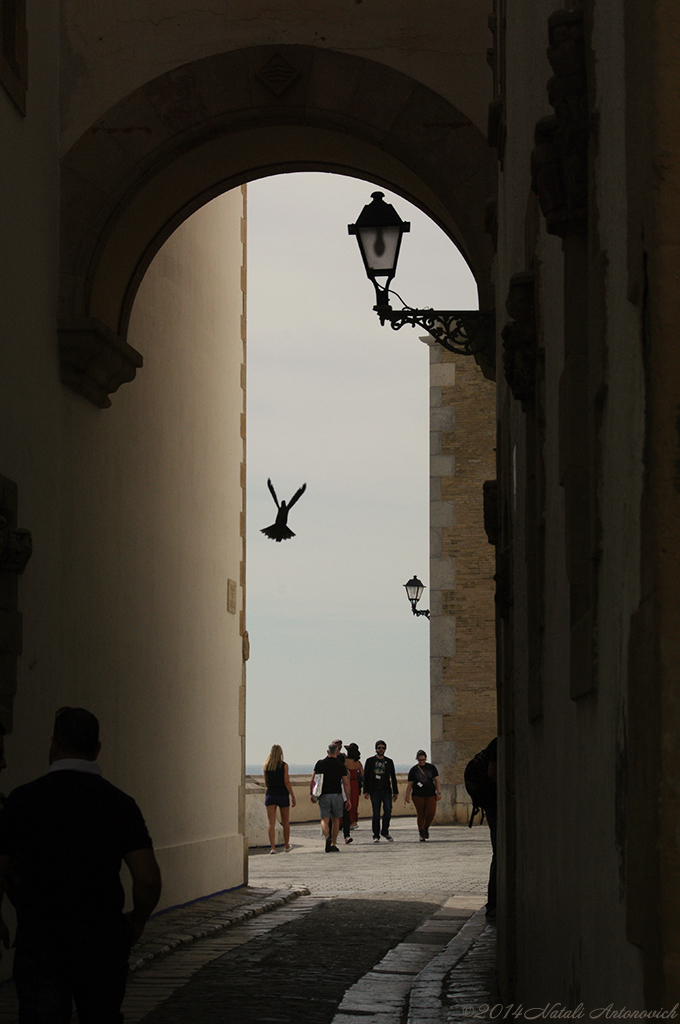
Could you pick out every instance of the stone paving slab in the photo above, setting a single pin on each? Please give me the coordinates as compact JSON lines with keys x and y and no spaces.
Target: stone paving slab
{"x":455,"y":860}
{"x":384,"y":993}
{"x":461,"y":980}
{"x":207,"y":917}
{"x":177,"y":943}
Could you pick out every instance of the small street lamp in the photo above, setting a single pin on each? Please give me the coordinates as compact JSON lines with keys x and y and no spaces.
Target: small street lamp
{"x":414,"y":592}
{"x":379,"y":230}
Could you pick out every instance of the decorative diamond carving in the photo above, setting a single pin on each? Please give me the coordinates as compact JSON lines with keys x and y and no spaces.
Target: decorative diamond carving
{"x":278,"y":74}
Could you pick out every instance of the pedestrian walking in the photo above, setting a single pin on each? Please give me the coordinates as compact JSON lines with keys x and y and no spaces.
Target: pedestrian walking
{"x":355,"y":770}
{"x":345,"y":823}
{"x":492,"y":818}
{"x":481,"y":784}
{"x":423,"y":782}
{"x":380,"y":784}
{"x":279,"y":793}
{"x":67,"y":834}
{"x":334,"y":795}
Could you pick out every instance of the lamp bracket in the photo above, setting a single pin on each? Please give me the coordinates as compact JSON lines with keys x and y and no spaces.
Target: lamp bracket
{"x":465,"y":332}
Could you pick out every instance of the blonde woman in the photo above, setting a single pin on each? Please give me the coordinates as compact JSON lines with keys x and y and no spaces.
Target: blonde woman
{"x":279,"y":794}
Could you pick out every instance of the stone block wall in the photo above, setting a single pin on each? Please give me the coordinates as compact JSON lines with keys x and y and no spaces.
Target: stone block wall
{"x":462,"y":567}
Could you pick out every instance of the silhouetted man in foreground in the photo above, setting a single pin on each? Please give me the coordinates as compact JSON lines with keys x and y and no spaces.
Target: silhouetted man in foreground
{"x":66,"y":835}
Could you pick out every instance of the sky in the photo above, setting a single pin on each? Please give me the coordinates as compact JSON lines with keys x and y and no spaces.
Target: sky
{"x":340,"y":403}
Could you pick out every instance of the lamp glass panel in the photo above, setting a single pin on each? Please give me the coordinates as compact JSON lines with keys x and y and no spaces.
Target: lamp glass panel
{"x":380,"y":245}
{"x":414,"y":590}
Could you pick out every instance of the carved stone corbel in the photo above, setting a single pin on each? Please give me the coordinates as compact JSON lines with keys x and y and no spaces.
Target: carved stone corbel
{"x":559,"y":162}
{"x":519,"y":339}
{"x":94,"y":360}
{"x":16,"y":547}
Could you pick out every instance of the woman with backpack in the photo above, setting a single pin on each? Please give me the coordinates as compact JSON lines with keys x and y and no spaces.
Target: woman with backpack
{"x":423,"y":781}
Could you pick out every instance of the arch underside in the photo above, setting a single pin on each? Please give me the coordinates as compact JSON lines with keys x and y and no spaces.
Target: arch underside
{"x":206,"y":127}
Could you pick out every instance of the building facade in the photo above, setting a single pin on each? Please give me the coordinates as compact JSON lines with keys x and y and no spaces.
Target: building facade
{"x":545,"y":143}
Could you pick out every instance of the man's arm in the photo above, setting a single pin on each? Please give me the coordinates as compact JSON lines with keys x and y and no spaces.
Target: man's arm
{"x":5,"y":869}
{"x":393,"y":773}
{"x":146,"y":889}
{"x":368,"y":777}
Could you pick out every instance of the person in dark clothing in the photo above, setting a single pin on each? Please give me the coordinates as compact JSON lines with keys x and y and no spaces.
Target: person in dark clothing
{"x":334,"y":795}
{"x":380,"y":784}
{"x":279,"y":794}
{"x":423,"y":780}
{"x":345,"y":810}
{"x":491,"y":812}
{"x":66,"y":835}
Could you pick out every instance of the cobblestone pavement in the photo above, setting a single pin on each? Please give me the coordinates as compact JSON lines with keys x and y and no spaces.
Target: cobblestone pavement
{"x":455,"y":860}
{"x":407,"y":944}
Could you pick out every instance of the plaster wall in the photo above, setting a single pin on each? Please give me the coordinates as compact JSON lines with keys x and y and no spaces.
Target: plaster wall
{"x":569,"y":837}
{"x":109,"y":50}
{"x":137,"y":526}
{"x":31,"y":397}
{"x":136,"y":520}
{"x":175,"y":451}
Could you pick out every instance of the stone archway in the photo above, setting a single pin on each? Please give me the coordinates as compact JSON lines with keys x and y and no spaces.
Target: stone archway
{"x":201,"y":129}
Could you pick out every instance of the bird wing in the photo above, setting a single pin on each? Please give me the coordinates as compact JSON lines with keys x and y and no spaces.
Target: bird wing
{"x":298,"y":494}
{"x":271,"y":488}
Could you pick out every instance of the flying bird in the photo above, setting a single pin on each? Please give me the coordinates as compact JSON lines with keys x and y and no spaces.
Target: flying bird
{"x":279,"y":530}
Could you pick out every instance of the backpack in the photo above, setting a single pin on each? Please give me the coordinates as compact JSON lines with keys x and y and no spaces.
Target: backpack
{"x":481,"y":788}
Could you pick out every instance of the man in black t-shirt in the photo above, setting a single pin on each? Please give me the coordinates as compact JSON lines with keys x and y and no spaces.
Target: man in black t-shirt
{"x":380,"y":784}
{"x":63,"y":838}
{"x":334,"y":794}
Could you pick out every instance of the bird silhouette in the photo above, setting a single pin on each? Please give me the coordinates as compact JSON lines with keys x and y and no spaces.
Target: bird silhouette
{"x":279,"y":530}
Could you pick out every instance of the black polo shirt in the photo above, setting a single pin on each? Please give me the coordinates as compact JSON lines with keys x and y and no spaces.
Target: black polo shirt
{"x":67,"y":833}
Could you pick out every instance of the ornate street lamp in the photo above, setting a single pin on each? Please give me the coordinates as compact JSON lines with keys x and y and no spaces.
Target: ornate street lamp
{"x":414,"y":592}
{"x":379,"y":230}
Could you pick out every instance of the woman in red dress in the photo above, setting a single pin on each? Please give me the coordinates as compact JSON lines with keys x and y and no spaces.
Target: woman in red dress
{"x":355,"y":770}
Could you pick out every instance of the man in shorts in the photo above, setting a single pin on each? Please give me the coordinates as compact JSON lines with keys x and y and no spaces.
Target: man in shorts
{"x":334,"y":794}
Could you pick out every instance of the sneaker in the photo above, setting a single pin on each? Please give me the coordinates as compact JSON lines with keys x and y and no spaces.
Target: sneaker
{"x":272,"y":851}
{"x":328,"y":845}
{"x":332,"y":849}
{"x":348,"y":839}
{"x":388,"y":837}
{"x":376,"y":839}
{"x":288,"y":849}
{"x":352,"y":827}
{"x":426,"y":833}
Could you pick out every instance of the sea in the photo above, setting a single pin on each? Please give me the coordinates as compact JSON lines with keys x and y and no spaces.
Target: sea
{"x":307,"y":769}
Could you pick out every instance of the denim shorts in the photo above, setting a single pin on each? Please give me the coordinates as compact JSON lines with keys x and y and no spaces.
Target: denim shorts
{"x":331,"y":805}
{"x":277,"y":799}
